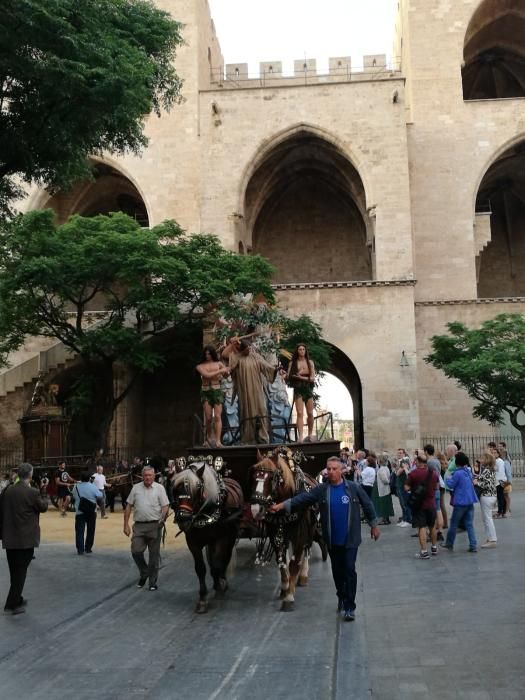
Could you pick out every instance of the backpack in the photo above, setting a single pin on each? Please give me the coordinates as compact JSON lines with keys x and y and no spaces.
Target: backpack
{"x":417,"y":495}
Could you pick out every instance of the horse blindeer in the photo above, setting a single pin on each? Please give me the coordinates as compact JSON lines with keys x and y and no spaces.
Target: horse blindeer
{"x":339,"y":503}
{"x":274,"y":478}
{"x":208,"y":510}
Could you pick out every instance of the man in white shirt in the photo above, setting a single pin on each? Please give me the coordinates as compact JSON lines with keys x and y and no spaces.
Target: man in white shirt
{"x":150,"y":508}
{"x":99,"y":480}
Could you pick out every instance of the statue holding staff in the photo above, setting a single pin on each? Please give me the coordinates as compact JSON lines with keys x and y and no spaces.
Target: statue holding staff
{"x":251,"y":374}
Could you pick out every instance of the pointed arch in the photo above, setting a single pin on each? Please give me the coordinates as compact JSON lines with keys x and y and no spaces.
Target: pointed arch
{"x":494,"y":51}
{"x":76,"y":200}
{"x":303,"y":192}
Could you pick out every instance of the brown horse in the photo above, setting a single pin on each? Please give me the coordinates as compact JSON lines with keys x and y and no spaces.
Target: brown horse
{"x":276,"y":478}
{"x":208,"y":509}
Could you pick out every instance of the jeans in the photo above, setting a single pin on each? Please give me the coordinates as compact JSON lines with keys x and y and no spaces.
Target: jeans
{"x":502,"y":506}
{"x":18,"y":561}
{"x":465,"y":514}
{"x":344,"y":573}
{"x":85,"y":523}
{"x":487,"y":504}
{"x":405,"y":508}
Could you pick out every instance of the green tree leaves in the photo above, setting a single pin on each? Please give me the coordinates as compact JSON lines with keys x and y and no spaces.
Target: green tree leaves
{"x":489,"y":363}
{"x":77,"y":78}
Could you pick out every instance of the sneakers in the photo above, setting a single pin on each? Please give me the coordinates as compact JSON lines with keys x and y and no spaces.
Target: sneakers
{"x":349,"y":615}
{"x":142,"y":582}
{"x":489,"y":544}
{"x":444,"y":545}
{"x":423,"y":555}
{"x":154,"y":587}
{"x":404,"y":524}
{"x":434,"y":550}
{"x":473,"y":549}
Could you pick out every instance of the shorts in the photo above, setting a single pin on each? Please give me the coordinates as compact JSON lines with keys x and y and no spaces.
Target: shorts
{"x":424,"y":518}
{"x":215,"y":397}
{"x":303,"y":392}
{"x":62,"y":492}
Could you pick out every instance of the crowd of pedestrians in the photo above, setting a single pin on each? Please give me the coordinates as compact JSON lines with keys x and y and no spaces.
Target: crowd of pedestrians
{"x":427,"y":484}
{"x":437,"y":492}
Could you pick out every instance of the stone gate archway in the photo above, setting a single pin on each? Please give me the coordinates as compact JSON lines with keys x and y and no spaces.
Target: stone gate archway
{"x":344,"y":369}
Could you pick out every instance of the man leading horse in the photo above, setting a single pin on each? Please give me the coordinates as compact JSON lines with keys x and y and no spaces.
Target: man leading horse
{"x":339,"y":504}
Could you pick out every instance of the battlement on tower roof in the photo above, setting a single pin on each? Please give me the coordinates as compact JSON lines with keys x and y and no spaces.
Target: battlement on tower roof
{"x":305,"y":72}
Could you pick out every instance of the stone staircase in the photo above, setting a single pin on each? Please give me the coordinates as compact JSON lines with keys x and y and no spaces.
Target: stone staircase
{"x":26,"y":371}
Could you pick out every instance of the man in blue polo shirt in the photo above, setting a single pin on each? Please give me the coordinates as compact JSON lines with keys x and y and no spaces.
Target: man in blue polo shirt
{"x":339,"y":502}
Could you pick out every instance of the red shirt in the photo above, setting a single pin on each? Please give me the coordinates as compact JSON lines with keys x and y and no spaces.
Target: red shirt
{"x":419,"y":476}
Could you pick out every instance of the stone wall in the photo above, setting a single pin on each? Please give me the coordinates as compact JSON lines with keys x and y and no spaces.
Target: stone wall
{"x":445,"y":409}
{"x":372,"y":325}
{"x":309,"y":234}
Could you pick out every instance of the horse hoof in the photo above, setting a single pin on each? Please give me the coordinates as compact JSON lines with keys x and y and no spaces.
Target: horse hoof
{"x":287,"y":606}
{"x":302,"y":581}
{"x":220,"y":588}
{"x":201,"y":607}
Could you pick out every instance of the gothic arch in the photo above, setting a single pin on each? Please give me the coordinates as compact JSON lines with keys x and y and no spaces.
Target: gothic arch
{"x":494,"y":51}
{"x":500,"y":224}
{"x":112,"y":189}
{"x":269,"y":144}
{"x":304,"y":207}
{"x":344,"y":369}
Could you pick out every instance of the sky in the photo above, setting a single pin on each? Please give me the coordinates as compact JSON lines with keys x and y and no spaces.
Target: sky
{"x":250,"y":31}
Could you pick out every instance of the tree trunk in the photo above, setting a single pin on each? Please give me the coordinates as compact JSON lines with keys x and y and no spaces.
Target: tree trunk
{"x":109,"y":405}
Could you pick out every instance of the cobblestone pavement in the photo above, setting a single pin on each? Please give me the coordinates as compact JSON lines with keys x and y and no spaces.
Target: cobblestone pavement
{"x":450,"y":627}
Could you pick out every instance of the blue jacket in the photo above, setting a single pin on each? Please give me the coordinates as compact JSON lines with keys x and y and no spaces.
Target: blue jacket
{"x":461,"y":484}
{"x":321,"y":495}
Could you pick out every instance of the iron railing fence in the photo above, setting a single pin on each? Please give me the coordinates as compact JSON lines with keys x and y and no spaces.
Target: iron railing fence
{"x":279,"y":429}
{"x":475,"y":445}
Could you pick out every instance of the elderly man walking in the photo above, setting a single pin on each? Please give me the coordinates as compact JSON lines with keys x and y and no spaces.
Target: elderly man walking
{"x":339,"y":504}
{"x":20,"y":509}
{"x":150,"y":505}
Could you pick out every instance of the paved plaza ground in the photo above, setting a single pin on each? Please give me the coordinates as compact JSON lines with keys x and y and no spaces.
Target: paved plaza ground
{"x":451,"y":627}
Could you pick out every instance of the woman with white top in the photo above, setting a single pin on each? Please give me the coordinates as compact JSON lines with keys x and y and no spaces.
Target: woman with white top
{"x":368,"y":475}
{"x":501,"y":480}
{"x":486,"y":483}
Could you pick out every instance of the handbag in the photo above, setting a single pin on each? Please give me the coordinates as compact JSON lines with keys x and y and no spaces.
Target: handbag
{"x":85,"y":506}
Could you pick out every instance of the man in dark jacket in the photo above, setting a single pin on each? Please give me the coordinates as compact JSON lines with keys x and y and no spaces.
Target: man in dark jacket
{"x":20,"y":512}
{"x":339,"y":504}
